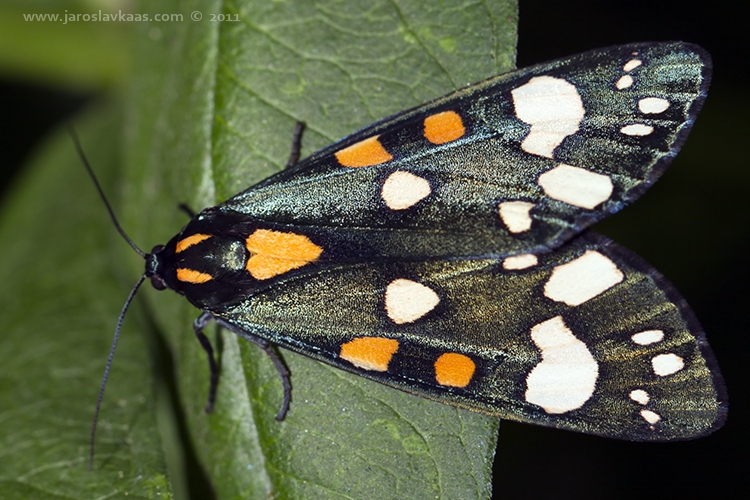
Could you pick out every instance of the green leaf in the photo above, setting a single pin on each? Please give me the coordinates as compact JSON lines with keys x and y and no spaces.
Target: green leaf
{"x":210,"y":111}
{"x":60,"y":301}
{"x":59,"y":42}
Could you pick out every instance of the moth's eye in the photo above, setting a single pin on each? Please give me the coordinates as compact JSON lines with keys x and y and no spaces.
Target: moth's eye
{"x":158,"y":282}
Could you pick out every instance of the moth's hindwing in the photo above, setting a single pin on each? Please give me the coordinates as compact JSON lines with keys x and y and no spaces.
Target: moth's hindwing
{"x":515,"y":164}
{"x":588,"y":338}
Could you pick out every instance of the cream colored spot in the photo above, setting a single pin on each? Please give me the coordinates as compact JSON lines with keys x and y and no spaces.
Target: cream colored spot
{"x":566,"y":377}
{"x":369,"y":353}
{"x":515,"y":215}
{"x":667,"y":364}
{"x":522,"y":261}
{"x":407,"y":301}
{"x":576,"y":186}
{"x":554,"y":110}
{"x":401,"y":190}
{"x":582,"y":279}
{"x":624,"y":82}
{"x":648,"y":337}
{"x":650,"y":416}
{"x":652,"y":105}
{"x":640,"y":396}
{"x":632,"y":64}
{"x":274,"y":252}
{"x":454,"y":370}
{"x":637,"y":129}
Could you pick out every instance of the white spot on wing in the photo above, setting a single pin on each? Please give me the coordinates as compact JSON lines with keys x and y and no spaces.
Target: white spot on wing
{"x":667,"y":364}
{"x":407,"y":301}
{"x":650,"y":416}
{"x":566,"y":377}
{"x":624,"y":82}
{"x":553,"y":108}
{"x":640,"y":396}
{"x":582,"y":279}
{"x":522,"y":261}
{"x":576,"y":186}
{"x":637,"y":129}
{"x":648,"y":337}
{"x":515,"y":215}
{"x":650,"y":105}
{"x":632,"y":64}
{"x":401,"y":190}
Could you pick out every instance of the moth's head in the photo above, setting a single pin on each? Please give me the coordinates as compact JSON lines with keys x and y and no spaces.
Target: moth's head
{"x":155,"y":266}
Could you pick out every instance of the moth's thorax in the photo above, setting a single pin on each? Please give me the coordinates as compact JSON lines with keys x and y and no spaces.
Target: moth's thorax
{"x":221,"y":258}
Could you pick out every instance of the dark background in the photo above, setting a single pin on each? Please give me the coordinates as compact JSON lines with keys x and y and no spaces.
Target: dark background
{"x":694,"y":226}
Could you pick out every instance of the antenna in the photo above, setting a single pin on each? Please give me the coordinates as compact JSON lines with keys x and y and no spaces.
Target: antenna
{"x":108,"y":365}
{"x":125,"y":307}
{"x":101,"y":193}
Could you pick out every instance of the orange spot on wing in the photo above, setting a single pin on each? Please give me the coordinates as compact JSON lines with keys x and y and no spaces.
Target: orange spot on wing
{"x":443,"y":127}
{"x":193,"y":276}
{"x":454,"y":369}
{"x":369,"y":353}
{"x":183,"y":244}
{"x":364,"y":154}
{"x":274,"y":253}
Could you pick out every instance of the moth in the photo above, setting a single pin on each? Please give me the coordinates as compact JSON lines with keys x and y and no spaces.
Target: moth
{"x":444,"y":251}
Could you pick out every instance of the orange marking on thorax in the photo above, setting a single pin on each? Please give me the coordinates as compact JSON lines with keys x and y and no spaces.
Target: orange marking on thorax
{"x":274,"y":253}
{"x":369,"y":353}
{"x":364,"y":154}
{"x":454,"y":369}
{"x":443,"y":127}
{"x":190,"y":241}
{"x":193,"y":276}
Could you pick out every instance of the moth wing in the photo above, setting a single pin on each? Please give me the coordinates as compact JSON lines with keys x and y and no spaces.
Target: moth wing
{"x":588,"y":338}
{"x":518,"y":163}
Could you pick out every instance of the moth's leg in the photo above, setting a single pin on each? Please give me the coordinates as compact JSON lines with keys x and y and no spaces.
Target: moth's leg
{"x":277,"y":363}
{"x":296,"y":145}
{"x":283,"y":374}
{"x":198,"y":325}
{"x":187,"y":210}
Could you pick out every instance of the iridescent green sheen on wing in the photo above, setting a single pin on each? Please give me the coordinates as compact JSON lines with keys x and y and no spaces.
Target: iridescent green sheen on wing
{"x":487,"y":313}
{"x":486,"y":166}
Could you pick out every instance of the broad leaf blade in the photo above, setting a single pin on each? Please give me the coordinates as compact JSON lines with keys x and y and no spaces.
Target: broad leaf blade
{"x":213,"y":112}
{"x":60,"y":303}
